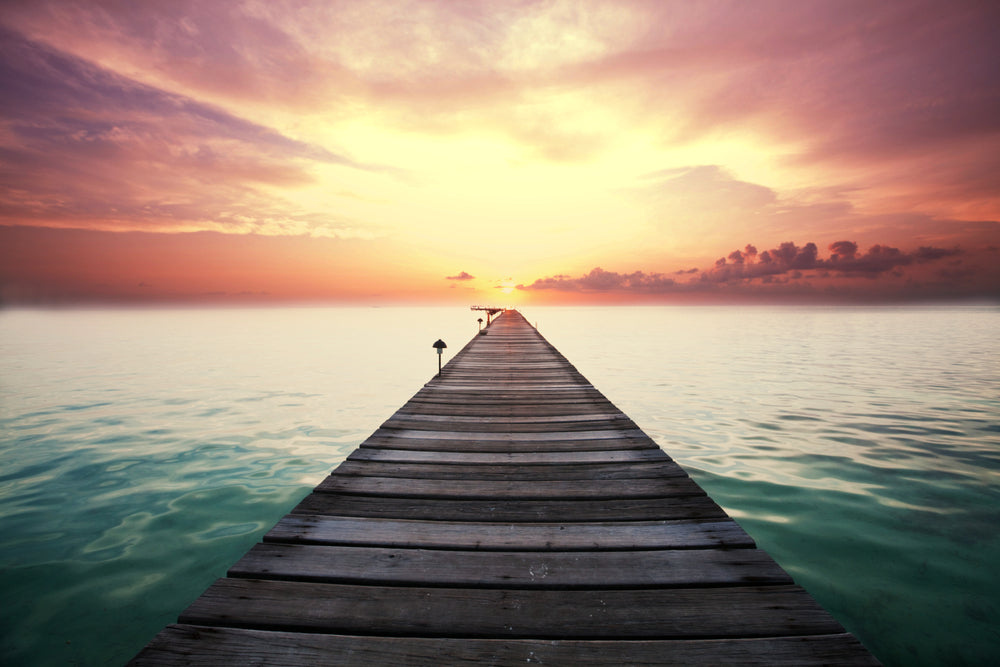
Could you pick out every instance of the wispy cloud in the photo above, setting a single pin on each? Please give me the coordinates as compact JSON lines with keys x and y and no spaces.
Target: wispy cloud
{"x":83,"y":146}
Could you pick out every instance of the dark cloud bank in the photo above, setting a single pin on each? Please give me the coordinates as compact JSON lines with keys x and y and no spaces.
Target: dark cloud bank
{"x":882,"y":273}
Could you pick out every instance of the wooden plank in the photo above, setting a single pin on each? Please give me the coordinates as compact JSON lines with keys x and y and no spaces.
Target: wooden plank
{"x":449,"y":387}
{"x":491,"y":426}
{"x":505,"y":410}
{"x":652,"y":509}
{"x":500,"y":434}
{"x":745,"y":611}
{"x":488,"y":397}
{"x":202,"y":646}
{"x":468,"y":489}
{"x":514,"y":459}
{"x":511,"y":570}
{"x":579,"y":471}
{"x":510,"y":445}
{"x":496,"y":536}
{"x":558,"y":419}
{"x":508,"y":390}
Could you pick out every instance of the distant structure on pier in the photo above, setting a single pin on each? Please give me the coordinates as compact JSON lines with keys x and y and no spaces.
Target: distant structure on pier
{"x":491,"y":311}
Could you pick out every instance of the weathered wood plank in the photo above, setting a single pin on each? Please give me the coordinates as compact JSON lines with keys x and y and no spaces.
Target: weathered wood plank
{"x":500,"y":434}
{"x":513,"y":459}
{"x":487,"y":397}
{"x":579,"y":471}
{"x":653,"y":509}
{"x":508,"y":392}
{"x":745,"y":611}
{"x":506,"y":410}
{"x":468,"y":489}
{"x":621,"y":426}
{"x":510,"y":445}
{"x":497,"y":536}
{"x":511,"y":570}
{"x":202,"y":646}
{"x":412,"y":417}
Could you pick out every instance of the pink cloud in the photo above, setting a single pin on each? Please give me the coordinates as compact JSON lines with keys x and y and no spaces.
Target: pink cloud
{"x":85,"y":146}
{"x":851,"y":80}
{"x":128,"y":115}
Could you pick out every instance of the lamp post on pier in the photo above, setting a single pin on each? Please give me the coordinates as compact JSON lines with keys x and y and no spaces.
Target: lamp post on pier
{"x":439,"y":345}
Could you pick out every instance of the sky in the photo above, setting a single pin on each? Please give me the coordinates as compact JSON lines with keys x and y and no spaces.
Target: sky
{"x":507,"y":153}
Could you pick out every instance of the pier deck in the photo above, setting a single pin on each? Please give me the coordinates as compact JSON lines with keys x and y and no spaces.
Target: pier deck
{"x":507,"y":513}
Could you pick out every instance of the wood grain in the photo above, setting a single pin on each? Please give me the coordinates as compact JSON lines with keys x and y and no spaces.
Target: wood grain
{"x":202,"y":646}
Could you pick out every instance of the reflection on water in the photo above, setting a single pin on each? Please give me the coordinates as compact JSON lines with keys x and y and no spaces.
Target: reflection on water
{"x":145,"y":451}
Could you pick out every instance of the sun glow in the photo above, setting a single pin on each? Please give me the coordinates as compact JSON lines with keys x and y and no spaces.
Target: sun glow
{"x":455,"y":151}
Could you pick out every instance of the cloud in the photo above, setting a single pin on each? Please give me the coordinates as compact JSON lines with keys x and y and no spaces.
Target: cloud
{"x":799,"y":270}
{"x":844,"y":260}
{"x":911,"y":82}
{"x":833,"y":119}
{"x":84,"y":146}
{"x":856,"y":76}
{"x":874,"y":80}
{"x":845,"y":250}
{"x":599,"y":280}
{"x":461,"y":276}
{"x":702,"y":184}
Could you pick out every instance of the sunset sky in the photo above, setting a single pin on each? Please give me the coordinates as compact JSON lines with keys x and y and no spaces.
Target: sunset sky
{"x":499,"y":152}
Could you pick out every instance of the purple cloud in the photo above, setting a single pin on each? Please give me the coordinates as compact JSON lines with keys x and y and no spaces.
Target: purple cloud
{"x":83,"y":144}
{"x":844,"y":259}
{"x":796,"y":270}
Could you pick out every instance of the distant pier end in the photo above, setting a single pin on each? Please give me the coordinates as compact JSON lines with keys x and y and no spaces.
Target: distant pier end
{"x":491,"y":312}
{"x":508,"y":513}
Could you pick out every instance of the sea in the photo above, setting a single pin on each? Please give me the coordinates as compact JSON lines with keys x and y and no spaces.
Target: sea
{"x":144,"y":450}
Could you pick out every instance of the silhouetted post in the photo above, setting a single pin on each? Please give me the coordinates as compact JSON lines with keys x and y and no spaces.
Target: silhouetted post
{"x":439,"y":345}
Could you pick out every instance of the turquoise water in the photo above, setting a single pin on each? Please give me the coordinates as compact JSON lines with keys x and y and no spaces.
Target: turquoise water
{"x":860,"y":447}
{"x":144,"y":451}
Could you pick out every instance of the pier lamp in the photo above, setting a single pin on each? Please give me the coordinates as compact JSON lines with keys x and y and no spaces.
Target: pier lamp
{"x":439,"y":345}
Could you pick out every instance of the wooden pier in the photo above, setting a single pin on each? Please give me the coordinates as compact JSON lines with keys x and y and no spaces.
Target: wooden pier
{"x":508,"y":513}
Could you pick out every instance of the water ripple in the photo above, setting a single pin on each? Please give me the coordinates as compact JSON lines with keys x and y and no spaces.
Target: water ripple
{"x":860,"y":447}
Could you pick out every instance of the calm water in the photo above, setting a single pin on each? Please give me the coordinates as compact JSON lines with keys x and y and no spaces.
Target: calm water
{"x":144,"y":451}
